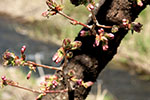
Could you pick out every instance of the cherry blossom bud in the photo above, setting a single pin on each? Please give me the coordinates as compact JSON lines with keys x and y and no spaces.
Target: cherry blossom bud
{"x":59,"y":59}
{"x":66,"y":44}
{"x":79,"y":82}
{"x":101,"y":30}
{"x":59,"y":55}
{"x":136,"y":26}
{"x":139,"y":3}
{"x":125,"y":22}
{"x":23,"y":49}
{"x":29,"y":75}
{"x":8,"y":56}
{"x":90,"y":7}
{"x":88,"y":84}
{"x":82,"y":33}
{"x":3,"y":78}
{"x":114,"y":29}
{"x":45,"y":14}
{"x":105,"y":47}
{"x":109,"y":35}
{"x":76,"y":45}
{"x":97,"y":40}
{"x":54,"y":82}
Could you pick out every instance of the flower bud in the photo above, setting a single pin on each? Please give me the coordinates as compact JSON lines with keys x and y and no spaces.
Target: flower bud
{"x":136,"y":26}
{"x":114,"y":29}
{"x":23,"y":49}
{"x":82,"y":33}
{"x":59,"y":55}
{"x":29,"y":75}
{"x":66,"y":44}
{"x":76,"y":45}
{"x":109,"y":35}
{"x":79,"y":82}
{"x":88,"y":84}
{"x":105,"y":47}
{"x":45,"y":14}
{"x":90,"y":7}
{"x":3,"y":78}
{"x":139,"y":3}
{"x":9,"y":56}
{"x":97,"y":40}
{"x":101,"y":30}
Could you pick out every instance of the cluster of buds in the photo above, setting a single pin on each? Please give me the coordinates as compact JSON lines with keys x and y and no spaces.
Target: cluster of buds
{"x":90,"y":7}
{"x":3,"y":82}
{"x":114,"y":28}
{"x":134,"y":26}
{"x":125,"y":23}
{"x":80,"y":82}
{"x":84,"y":33}
{"x":54,"y":8}
{"x":63,"y":50}
{"x":50,"y":82}
{"x":11,"y":59}
{"x":103,"y":37}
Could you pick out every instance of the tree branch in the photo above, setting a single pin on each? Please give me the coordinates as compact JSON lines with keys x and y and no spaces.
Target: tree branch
{"x":89,"y":61}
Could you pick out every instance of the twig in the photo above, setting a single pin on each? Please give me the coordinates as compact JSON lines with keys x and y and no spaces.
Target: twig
{"x":21,"y":87}
{"x":77,"y":22}
{"x":44,"y":66}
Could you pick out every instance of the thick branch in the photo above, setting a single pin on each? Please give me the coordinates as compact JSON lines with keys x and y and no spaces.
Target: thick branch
{"x":88,"y":62}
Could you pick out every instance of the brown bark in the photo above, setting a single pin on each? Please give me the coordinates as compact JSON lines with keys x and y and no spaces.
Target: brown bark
{"x":88,"y":62}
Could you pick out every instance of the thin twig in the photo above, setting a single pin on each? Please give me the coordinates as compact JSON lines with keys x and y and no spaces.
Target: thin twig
{"x":77,"y":22}
{"x":44,"y":66}
{"x":21,"y":87}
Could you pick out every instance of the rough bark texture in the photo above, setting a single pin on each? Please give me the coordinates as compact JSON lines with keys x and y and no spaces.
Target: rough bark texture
{"x":88,"y":62}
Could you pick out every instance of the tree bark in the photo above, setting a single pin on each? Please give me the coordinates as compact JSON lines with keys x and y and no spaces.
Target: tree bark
{"x":89,"y":61}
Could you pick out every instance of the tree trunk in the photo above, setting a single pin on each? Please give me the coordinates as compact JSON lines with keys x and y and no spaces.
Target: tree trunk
{"x":89,"y":61}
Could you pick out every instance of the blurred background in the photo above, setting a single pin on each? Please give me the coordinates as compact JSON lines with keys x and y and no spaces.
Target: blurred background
{"x":126,"y":77}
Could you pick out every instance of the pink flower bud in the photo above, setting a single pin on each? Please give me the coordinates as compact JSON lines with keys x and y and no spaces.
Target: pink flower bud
{"x":55,"y":56}
{"x":105,"y":47}
{"x":59,"y":55}
{"x":90,"y":7}
{"x":29,"y":75}
{"x":139,"y":3}
{"x":88,"y":84}
{"x":3,"y":78}
{"x":59,"y":59}
{"x":79,"y":82}
{"x":82,"y":33}
{"x":110,"y":35}
{"x":54,"y":82}
{"x":45,"y":14}
{"x":124,"y":20}
{"x":8,"y":56}
{"x":23,"y":49}
{"x":66,"y":44}
{"x":101,"y":30}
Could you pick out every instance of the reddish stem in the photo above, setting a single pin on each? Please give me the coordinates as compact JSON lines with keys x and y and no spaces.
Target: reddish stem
{"x":39,"y":65}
